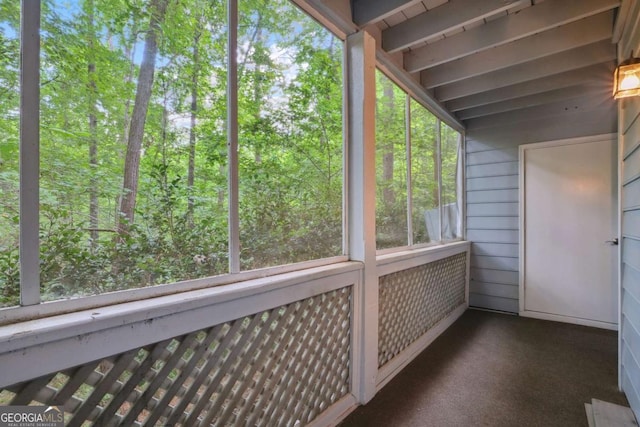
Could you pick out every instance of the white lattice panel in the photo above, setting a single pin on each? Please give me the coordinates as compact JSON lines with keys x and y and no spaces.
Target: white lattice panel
{"x":412,"y":301}
{"x":278,"y":367}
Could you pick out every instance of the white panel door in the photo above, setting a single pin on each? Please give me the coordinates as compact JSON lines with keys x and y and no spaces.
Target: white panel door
{"x":570,"y":212}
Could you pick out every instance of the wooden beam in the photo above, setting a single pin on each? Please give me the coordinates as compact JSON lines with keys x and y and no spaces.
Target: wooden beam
{"x":561,"y":39}
{"x":622,"y":18}
{"x":570,"y":125}
{"x":528,"y":101}
{"x":630,"y":34}
{"x":586,"y":103}
{"x":597,"y":74}
{"x":581,"y":57}
{"x":448,"y":17}
{"x":335,"y":15}
{"x":541,"y":17}
{"x":367,"y":12}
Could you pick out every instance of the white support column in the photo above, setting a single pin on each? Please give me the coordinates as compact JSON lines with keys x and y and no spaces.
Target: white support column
{"x":361,"y":84}
{"x":29,"y":153}
{"x":232,"y":137}
{"x":438,"y":167}
{"x":407,"y":141}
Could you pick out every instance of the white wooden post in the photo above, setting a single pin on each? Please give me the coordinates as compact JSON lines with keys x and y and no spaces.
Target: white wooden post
{"x":438,"y":167}
{"x":407,"y":143}
{"x":29,"y":153}
{"x":232,"y":137}
{"x":361,"y":206}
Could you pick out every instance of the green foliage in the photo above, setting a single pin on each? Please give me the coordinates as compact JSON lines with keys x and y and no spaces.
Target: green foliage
{"x":391,"y":164}
{"x":290,"y":102}
{"x":9,"y":280}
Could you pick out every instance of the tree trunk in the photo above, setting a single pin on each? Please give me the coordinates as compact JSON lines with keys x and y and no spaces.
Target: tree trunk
{"x":388,"y":193}
{"x":222,"y":193}
{"x":130,"y":53}
{"x":140,"y":106}
{"x":167,"y":206}
{"x":257,"y":89}
{"x":192,"y":126}
{"x":93,"y":128}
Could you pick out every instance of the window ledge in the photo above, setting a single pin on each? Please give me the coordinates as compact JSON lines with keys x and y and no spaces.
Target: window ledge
{"x":38,"y":331}
{"x":10,"y":315}
{"x":457,"y":246}
{"x":391,"y":262}
{"x":72,"y":339}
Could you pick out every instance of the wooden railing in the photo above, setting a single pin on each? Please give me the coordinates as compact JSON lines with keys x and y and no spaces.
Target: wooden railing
{"x":281,"y":350}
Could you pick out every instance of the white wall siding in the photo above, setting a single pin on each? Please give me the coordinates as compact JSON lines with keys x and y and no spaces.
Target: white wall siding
{"x":493,"y":193}
{"x":629,"y":133}
{"x":492,"y":224}
{"x":492,"y":209}
{"x":630,"y":293}
{"x":490,"y":170}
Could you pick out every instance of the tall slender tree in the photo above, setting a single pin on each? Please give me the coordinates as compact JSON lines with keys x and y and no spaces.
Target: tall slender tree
{"x":157,"y":10}
{"x":388,"y":191}
{"x":93,"y":123}
{"x":195,"y":58}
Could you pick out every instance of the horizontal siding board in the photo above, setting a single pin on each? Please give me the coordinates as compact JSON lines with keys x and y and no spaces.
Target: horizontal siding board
{"x":631,"y":393}
{"x":493,"y":156}
{"x":632,"y":370}
{"x":631,"y":281}
{"x":631,"y":166}
{"x":631,"y":138}
{"x":493,"y":303}
{"x":493,"y":289}
{"x":493,"y":236}
{"x":486,"y":144}
{"x":631,"y":223}
{"x":631,"y":311}
{"x":497,"y":169}
{"x":492,"y":196}
{"x":631,"y":145}
{"x":495,"y":276}
{"x":630,"y":336}
{"x":492,"y":223}
{"x":492,"y":209}
{"x":631,"y":195}
{"x":631,"y":344}
{"x":630,"y":111}
{"x":493,"y":183}
{"x":631,"y":252}
{"x":495,"y":249}
{"x":494,"y":262}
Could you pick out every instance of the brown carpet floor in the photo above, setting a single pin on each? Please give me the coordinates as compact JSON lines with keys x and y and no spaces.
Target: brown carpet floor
{"x":491,"y":369}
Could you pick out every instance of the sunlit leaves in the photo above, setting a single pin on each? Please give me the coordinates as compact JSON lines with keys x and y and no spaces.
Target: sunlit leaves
{"x":290,"y":115}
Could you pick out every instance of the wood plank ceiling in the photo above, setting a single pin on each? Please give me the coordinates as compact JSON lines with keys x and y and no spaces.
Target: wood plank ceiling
{"x":502,"y":61}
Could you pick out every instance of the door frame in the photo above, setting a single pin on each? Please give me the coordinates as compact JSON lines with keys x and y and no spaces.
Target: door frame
{"x":522,"y":151}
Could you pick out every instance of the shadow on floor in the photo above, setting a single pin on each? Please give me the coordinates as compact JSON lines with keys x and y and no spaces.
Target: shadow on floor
{"x":491,"y":369}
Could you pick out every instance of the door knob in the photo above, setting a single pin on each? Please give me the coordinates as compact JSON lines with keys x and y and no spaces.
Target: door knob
{"x":613,"y":242}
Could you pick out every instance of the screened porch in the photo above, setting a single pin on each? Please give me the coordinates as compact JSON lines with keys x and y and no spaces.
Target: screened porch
{"x":267,"y":212}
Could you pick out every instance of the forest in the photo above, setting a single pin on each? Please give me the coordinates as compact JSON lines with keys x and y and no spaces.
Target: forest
{"x":134,"y":158}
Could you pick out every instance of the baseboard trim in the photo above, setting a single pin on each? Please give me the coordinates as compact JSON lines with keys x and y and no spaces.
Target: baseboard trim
{"x":569,"y":319}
